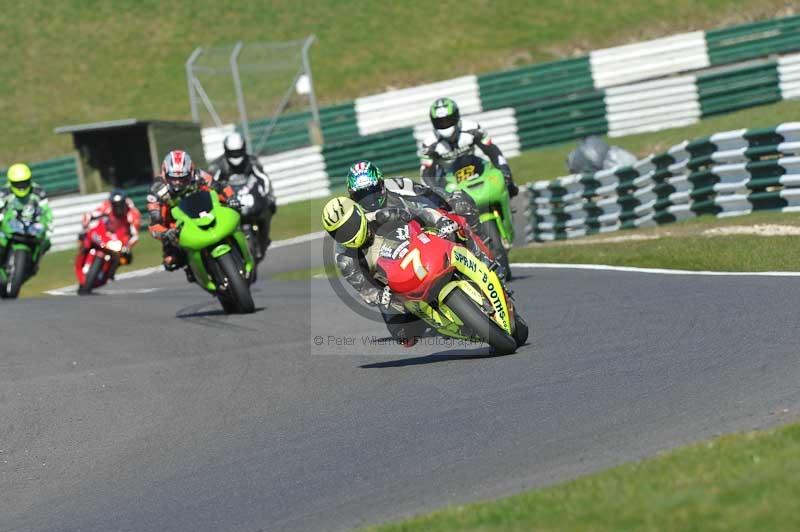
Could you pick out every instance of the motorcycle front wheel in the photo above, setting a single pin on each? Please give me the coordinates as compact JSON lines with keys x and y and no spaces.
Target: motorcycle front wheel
{"x":91,"y":276}
{"x":18,"y":268}
{"x":237,"y":297}
{"x":480,"y":323}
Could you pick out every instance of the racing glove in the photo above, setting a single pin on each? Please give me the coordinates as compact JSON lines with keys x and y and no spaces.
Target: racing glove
{"x":170,"y":235}
{"x":385,"y":300}
{"x":513,"y":189}
{"x":234,"y":203}
{"x":446,"y":227}
{"x":389,"y":214}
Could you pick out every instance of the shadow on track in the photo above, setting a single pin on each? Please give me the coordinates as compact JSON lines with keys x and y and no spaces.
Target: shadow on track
{"x":203,"y":314}
{"x":443,"y":356}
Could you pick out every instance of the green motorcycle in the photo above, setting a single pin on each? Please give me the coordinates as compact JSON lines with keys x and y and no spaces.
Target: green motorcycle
{"x":486,"y":186}
{"x":216,"y":249}
{"x":23,"y":235}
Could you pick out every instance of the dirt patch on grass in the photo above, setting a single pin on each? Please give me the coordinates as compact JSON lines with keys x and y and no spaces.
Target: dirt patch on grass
{"x":758,"y":230}
{"x":605,"y":240}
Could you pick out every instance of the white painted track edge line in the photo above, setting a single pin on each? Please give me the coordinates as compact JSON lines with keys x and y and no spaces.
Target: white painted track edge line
{"x":142,"y":272}
{"x":659,"y":271}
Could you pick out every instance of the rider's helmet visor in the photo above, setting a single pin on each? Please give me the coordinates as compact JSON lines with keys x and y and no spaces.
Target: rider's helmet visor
{"x":444,"y":122}
{"x":371,"y":198}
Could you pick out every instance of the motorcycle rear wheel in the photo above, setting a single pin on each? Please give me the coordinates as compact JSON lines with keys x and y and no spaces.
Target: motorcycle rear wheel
{"x":480,"y":323}
{"x":239,"y":298}
{"x":20,"y":266}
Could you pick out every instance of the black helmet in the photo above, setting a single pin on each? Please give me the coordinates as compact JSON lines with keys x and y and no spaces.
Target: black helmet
{"x":445,"y":118}
{"x":119,"y":202}
{"x":235,"y":150}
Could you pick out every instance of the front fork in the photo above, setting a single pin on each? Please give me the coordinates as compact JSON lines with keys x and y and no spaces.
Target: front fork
{"x":506,"y":232}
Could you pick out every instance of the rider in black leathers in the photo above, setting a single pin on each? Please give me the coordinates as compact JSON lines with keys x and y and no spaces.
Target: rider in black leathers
{"x":251,"y":184}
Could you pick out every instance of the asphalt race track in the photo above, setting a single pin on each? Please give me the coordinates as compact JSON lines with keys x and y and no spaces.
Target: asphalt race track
{"x":145,"y":408}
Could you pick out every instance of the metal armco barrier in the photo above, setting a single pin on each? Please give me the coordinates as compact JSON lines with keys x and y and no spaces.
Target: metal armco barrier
{"x":726,"y":174}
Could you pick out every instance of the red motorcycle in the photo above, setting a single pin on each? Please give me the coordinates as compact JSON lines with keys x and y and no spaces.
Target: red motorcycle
{"x":447,"y":286}
{"x":104,"y":249}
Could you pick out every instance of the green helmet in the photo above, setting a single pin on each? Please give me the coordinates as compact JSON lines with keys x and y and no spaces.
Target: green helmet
{"x":345,"y":221}
{"x":365,"y":185}
{"x":19,"y":179}
{"x":445,"y":117}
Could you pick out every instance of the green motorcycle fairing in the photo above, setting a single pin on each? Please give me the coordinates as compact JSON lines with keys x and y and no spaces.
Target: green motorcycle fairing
{"x":206,"y":227}
{"x":19,"y":226}
{"x":485,"y":184}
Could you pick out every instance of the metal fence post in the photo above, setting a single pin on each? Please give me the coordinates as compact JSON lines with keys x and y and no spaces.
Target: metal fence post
{"x":189,"y":76}
{"x":237,"y":83}
{"x":316,"y":133}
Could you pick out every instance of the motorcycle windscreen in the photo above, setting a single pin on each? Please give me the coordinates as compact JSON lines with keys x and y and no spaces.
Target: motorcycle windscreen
{"x":197,"y":205}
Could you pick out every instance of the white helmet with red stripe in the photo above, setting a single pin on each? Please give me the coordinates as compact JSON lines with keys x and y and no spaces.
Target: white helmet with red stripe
{"x":178,"y":171}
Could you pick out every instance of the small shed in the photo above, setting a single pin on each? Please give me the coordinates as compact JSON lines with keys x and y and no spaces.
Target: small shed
{"x":126,"y":153}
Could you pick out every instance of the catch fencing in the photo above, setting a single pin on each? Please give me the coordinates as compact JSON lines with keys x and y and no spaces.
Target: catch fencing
{"x":725,"y":174}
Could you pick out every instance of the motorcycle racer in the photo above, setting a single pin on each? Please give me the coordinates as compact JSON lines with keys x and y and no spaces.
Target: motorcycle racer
{"x":251,"y":183}
{"x":367,"y":187}
{"x":179,"y":177}
{"x":360,"y":238}
{"x":452,"y":138}
{"x":21,"y":188}
{"x":123,"y":218}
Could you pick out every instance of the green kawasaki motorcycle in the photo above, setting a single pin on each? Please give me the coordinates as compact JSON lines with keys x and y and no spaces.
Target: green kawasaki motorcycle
{"x":485,"y":184}
{"x":23,"y":235}
{"x":216,"y":249}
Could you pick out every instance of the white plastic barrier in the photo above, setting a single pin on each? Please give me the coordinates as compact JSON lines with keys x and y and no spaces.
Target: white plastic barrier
{"x":652,"y":105}
{"x":650,"y":59}
{"x":67,"y":213}
{"x":297,"y":174}
{"x":409,"y":107}
{"x":789,"y":74}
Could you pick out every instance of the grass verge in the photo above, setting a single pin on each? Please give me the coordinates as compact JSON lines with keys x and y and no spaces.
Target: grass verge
{"x":110,"y":63}
{"x":683,"y":245}
{"x":737,"y":482}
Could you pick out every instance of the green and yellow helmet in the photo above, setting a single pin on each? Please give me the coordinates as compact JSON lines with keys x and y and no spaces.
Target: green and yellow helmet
{"x":19,"y":179}
{"x":346,"y":222}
